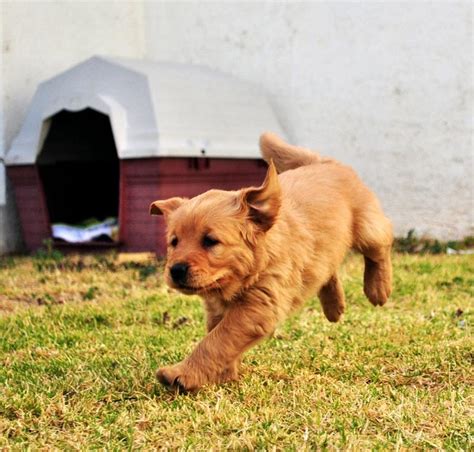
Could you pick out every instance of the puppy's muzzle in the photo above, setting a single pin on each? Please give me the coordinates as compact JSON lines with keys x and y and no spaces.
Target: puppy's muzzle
{"x":179,"y":273}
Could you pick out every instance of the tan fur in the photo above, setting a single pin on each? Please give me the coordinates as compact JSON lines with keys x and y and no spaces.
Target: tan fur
{"x":277,"y":245}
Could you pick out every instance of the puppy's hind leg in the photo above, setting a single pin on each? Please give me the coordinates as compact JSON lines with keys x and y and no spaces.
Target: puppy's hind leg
{"x":378,"y":275}
{"x":374,"y":240}
{"x":331,"y":296}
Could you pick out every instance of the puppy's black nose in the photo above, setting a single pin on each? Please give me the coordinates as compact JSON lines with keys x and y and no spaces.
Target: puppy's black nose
{"x":179,"y":273}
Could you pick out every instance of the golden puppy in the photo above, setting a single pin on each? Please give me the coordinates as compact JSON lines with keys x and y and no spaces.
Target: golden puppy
{"x":256,"y":254}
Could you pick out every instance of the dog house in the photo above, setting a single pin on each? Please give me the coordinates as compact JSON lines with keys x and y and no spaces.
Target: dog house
{"x":108,"y":136}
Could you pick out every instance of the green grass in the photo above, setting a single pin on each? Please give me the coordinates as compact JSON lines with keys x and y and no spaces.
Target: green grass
{"x":81,"y":340}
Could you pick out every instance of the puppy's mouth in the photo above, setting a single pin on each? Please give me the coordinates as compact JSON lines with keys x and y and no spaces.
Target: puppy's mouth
{"x":196,"y":289}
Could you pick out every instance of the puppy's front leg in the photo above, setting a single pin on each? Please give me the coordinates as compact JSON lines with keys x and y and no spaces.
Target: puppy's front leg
{"x":216,"y":358}
{"x":214,"y":314}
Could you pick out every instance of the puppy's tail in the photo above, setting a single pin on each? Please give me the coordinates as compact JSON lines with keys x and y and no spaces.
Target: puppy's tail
{"x":286,"y":156}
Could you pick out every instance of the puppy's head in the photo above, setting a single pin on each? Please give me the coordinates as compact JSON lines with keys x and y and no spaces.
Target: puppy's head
{"x":215,"y":240}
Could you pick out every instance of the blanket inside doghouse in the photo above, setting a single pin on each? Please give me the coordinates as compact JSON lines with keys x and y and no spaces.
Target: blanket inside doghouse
{"x":90,"y":230}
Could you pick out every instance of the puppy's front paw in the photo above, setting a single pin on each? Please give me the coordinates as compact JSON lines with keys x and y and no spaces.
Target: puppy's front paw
{"x":184,"y":378}
{"x":178,"y":378}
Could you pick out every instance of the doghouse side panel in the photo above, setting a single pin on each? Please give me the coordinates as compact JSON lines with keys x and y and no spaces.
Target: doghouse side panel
{"x":138,"y":188}
{"x":192,"y":176}
{"x":31,"y":204}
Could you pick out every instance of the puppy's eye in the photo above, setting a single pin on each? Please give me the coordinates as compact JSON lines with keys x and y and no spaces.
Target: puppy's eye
{"x":209,"y":242}
{"x":174,"y":242}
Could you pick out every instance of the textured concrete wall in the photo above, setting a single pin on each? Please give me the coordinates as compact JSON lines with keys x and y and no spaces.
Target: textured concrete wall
{"x":383,"y":86}
{"x":40,"y":39}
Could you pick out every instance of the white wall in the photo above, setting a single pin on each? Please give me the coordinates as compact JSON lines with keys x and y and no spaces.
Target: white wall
{"x":40,"y":39}
{"x":383,"y":86}
{"x":10,"y":238}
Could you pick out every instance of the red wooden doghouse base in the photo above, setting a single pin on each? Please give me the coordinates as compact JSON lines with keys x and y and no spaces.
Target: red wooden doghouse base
{"x":141,"y":182}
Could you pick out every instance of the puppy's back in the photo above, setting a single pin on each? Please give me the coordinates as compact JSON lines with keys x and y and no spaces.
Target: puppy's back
{"x":285,"y":156}
{"x":324,"y":193}
{"x":327,"y":181}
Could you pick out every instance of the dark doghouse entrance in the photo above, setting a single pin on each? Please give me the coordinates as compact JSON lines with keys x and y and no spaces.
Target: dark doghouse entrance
{"x":79,"y":168}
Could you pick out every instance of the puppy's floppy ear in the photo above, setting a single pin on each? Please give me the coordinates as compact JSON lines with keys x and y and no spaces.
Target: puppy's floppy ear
{"x":166,"y":207}
{"x":263,"y":203}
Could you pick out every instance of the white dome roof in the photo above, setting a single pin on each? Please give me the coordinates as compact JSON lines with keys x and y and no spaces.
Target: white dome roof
{"x":155,"y":109}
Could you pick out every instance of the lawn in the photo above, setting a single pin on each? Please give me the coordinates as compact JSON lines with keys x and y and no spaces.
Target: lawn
{"x":81,"y":339}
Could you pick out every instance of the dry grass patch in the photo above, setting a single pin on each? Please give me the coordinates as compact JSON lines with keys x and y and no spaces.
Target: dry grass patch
{"x":81,"y":339}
